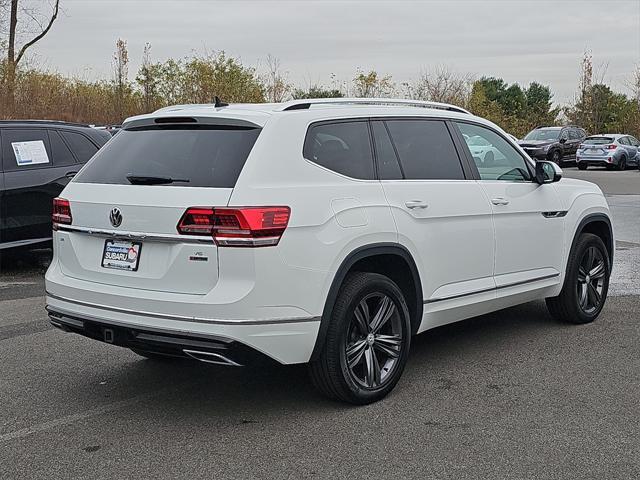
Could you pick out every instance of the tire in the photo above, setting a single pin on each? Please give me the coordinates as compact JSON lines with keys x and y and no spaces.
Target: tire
{"x":556,"y":157}
{"x":331,"y":373}
{"x":577,"y":302}
{"x":582,"y":166}
{"x":155,"y":356}
{"x":622,"y":164}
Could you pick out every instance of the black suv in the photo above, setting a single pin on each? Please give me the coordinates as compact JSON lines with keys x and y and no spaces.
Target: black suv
{"x":556,"y":144}
{"x":37,"y":160}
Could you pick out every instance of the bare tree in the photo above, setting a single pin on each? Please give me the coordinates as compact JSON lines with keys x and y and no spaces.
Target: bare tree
{"x":276,"y":85}
{"x":120,"y":75}
{"x":441,"y":85}
{"x":15,"y":53}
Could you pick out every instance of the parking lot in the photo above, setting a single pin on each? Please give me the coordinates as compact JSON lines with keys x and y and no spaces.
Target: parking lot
{"x":512,"y":394}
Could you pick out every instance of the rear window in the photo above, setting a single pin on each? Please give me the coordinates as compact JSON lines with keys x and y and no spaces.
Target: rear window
{"x":597,"y":140}
{"x":206,"y":156}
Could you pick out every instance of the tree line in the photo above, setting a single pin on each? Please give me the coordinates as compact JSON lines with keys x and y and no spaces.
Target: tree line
{"x":27,"y":91}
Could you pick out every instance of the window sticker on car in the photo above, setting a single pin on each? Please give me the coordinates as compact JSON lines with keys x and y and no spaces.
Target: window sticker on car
{"x":30,"y":153}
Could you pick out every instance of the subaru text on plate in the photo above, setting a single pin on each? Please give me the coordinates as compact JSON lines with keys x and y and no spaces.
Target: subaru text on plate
{"x":322,"y":231}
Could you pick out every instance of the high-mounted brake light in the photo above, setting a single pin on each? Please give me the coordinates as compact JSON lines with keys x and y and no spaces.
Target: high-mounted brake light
{"x":61,"y":213}
{"x":237,"y":227}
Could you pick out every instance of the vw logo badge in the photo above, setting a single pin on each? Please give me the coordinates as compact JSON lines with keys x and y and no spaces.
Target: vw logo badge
{"x":115,"y":217}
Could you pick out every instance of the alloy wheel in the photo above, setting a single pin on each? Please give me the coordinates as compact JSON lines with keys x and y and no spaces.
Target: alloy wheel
{"x":591,"y":278}
{"x":374,"y":341}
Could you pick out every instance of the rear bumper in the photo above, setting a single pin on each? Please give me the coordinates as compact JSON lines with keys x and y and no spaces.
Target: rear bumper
{"x":597,"y":161}
{"x":283,"y":340}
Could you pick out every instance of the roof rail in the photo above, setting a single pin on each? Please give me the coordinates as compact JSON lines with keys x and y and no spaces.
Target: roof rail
{"x":48,"y":122}
{"x":305,"y":104}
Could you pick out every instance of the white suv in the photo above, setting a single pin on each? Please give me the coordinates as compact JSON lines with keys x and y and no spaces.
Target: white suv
{"x":319,"y":231}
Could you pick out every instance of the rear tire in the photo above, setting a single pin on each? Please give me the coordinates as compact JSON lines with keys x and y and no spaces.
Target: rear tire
{"x":622,"y":164}
{"x":362,"y":360}
{"x":582,"y":166}
{"x":586,"y":282}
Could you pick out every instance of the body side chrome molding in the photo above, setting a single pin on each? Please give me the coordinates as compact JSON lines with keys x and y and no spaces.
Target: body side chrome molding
{"x":182,"y":318}
{"x":140,"y":236}
{"x":485,"y":290}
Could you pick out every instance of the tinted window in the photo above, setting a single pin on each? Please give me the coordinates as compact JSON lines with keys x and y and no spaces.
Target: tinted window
{"x":575,"y":134}
{"x":61,"y":155}
{"x":425,"y":149}
{"x":81,"y":146}
{"x":494,"y":156}
{"x":564,"y":134}
{"x":624,"y":141}
{"x":29,"y":141}
{"x":343,"y":147}
{"x":633,"y":141}
{"x":388,"y":166}
{"x":211,"y":156}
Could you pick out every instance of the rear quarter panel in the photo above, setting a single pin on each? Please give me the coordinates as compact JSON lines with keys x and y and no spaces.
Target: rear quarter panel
{"x":331,"y":215}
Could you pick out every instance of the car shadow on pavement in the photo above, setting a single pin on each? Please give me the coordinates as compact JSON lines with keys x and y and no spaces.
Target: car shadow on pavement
{"x":198,"y":391}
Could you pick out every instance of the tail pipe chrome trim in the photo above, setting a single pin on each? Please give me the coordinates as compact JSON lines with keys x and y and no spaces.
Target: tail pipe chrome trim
{"x":210,"y":357}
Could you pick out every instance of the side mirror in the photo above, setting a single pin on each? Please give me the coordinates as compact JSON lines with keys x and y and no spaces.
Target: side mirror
{"x":547,"y":172}
{"x":563,"y":140}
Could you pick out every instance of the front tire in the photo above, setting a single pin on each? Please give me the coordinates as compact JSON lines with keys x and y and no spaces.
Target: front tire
{"x":556,"y":157}
{"x":367,"y":341}
{"x":586,"y":282}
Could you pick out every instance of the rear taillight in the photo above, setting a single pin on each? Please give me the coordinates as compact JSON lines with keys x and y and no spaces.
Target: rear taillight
{"x":237,"y":227}
{"x":611,"y":147}
{"x":61,"y":214}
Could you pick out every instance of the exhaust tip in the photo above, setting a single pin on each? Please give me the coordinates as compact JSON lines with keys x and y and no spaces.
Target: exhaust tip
{"x":210,"y":357}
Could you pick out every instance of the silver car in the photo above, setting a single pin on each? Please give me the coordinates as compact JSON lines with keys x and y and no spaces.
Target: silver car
{"x":610,"y":150}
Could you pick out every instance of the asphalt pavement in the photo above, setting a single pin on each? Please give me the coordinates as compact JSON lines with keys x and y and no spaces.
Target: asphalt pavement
{"x":512,"y":394}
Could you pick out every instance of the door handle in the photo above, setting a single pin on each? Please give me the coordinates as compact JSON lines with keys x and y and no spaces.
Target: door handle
{"x":500,"y":201}
{"x":70,"y":174}
{"x":416,"y":204}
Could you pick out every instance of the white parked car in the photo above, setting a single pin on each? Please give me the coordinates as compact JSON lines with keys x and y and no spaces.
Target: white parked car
{"x":323,"y":231}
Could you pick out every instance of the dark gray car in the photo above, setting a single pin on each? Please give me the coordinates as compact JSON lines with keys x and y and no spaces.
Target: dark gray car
{"x":556,"y":144}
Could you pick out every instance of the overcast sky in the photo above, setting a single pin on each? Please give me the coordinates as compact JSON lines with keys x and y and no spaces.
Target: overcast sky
{"x":518,"y":40}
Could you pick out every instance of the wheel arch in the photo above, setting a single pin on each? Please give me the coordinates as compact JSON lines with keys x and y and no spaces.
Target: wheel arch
{"x":598,"y":224}
{"x":378,"y":257}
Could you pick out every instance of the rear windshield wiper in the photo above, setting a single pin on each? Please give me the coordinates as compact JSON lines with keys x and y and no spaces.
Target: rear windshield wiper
{"x":153,"y":179}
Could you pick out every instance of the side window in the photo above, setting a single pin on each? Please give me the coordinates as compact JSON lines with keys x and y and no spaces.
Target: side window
{"x":633,"y":141}
{"x":624,"y":140}
{"x":495,"y":158}
{"x":80,"y":145}
{"x":388,"y":166}
{"x":574,"y":134}
{"x":425,"y":149}
{"x":344,"y":147}
{"x":564,"y":134}
{"x":60,"y":153}
{"x":25,"y":149}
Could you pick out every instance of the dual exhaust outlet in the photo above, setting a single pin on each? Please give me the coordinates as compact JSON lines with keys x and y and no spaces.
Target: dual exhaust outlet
{"x":210,"y":357}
